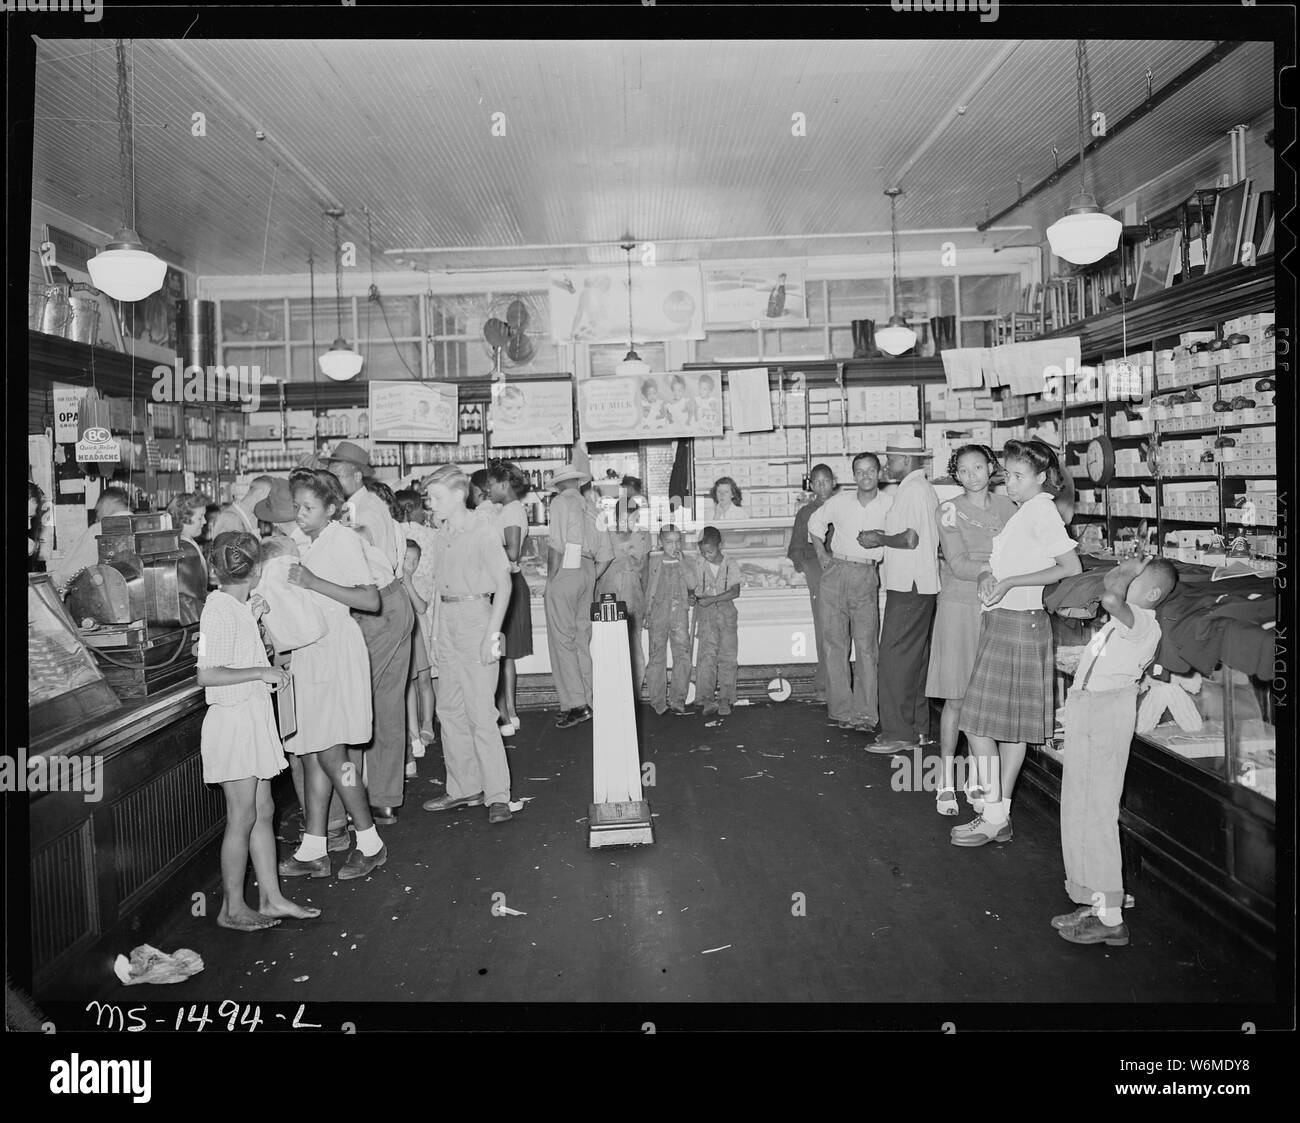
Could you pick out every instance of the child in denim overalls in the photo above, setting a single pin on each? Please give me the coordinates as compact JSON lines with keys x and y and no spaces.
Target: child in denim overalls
{"x":716,"y":593}
{"x":670,"y":583}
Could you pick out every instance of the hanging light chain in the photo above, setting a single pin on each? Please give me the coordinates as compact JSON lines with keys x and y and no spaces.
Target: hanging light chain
{"x":338,"y":275}
{"x":124,"y":132}
{"x":631,"y":345}
{"x":1080,"y":65}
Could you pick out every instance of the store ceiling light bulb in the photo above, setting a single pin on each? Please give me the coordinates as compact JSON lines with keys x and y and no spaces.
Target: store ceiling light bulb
{"x":1084,"y":234}
{"x":340,"y":362}
{"x":632,"y":364}
{"x":125,"y":270}
{"x":896,"y":338}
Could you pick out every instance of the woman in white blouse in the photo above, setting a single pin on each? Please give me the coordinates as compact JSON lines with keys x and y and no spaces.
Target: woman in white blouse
{"x":1010,"y":699}
{"x":726,"y":500}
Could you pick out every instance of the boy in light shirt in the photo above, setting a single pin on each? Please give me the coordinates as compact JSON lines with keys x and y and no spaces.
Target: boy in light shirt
{"x":715,"y":597}
{"x":1100,"y":715}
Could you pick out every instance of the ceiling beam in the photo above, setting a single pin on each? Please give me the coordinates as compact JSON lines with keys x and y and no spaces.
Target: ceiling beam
{"x":1180,"y":80}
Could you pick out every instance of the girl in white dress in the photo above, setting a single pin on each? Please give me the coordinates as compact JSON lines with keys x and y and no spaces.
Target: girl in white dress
{"x":239,"y":744}
{"x":332,"y":680}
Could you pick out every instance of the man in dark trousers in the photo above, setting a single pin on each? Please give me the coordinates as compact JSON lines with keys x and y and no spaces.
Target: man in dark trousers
{"x":911,"y":541}
{"x":387,"y":632}
{"x":804,"y":557}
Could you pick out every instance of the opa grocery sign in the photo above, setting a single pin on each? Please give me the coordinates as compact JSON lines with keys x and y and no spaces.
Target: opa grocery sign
{"x":98,"y":446}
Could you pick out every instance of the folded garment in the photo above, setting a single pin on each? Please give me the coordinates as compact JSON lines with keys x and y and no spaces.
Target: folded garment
{"x":1024,"y":366}
{"x":293,"y":618}
{"x":149,"y":965}
{"x":1167,"y":696}
{"x":963,"y":367}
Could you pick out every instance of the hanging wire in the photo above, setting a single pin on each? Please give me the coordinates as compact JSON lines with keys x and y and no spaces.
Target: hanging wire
{"x":132,"y":106}
{"x":266,"y":235}
{"x":631,"y":344}
{"x":315,"y":401}
{"x":123,"y":131}
{"x":373,"y":296}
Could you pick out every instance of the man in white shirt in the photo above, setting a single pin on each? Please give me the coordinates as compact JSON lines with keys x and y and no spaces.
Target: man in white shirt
{"x":911,"y":542}
{"x":85,"y":550}
{"x":388,"y":632}
{"x":850,"y":594}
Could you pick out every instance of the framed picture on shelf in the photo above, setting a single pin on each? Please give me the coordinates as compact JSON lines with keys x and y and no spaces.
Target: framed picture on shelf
{"x":1159,"y":259}
{"x":1229,"y":219}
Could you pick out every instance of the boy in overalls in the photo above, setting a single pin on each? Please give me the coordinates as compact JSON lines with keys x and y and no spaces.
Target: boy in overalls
{"x":716,"y":593}
{"x":669,"y":584}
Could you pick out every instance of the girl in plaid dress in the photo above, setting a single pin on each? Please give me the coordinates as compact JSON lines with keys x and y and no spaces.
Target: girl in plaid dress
{"x":1009,"y":700}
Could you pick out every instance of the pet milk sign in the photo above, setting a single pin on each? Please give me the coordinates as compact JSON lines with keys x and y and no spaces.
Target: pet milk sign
{"x":98,"y":446}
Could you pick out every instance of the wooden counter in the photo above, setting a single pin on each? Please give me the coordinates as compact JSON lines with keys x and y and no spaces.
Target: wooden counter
{"x":102,"y":870}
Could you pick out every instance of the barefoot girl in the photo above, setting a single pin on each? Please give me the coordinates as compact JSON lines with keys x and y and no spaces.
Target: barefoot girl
{"x":332,"y":680}
{"x":240,"y":746}
{"x":1009,"y":700}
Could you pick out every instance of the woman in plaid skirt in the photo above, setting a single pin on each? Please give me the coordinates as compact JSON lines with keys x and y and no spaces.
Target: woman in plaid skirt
{"x":1009,"y":700}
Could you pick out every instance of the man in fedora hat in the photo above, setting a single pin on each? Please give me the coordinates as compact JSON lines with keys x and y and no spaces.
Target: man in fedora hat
{"x":387,"y":632}
{"x":911,"y":569}
{"x":578,"y":553}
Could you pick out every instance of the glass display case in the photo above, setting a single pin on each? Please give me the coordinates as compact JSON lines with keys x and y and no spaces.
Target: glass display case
{"x":64,"y":685}
{"x":1221,"y":723}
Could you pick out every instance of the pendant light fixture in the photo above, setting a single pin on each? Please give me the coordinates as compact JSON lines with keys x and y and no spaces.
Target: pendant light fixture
{"x":632,"y":363}
{"x":897,"y":337}
{"x":340,"y":362}
{"x":1084,"y":234}
{"x":124,"y":269}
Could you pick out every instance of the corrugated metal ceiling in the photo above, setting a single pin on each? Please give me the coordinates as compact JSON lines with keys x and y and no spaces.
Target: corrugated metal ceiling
{"x":603,"y":140}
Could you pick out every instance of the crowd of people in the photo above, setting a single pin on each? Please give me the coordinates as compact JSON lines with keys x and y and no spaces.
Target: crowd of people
{"x":964,"y":622}
{"x":360,"y":600}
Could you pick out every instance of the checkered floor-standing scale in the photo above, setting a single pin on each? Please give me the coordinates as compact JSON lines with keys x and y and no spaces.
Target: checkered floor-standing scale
{"x":618,"y":815}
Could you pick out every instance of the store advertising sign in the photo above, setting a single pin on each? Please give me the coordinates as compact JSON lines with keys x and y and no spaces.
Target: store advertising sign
{"x":67,"y":412}
{"x":652,"y":406}
{"x":768,"y":297}
{"x":591,"y":305}
{"x":413,"y":411}
{"x":531,"y":413}
{"x":98,"y":446}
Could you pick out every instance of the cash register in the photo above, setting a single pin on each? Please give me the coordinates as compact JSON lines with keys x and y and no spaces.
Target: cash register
{"x":138,"y":609}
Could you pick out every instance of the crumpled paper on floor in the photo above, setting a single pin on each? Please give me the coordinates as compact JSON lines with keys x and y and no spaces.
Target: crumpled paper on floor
{"x":149,"y":965}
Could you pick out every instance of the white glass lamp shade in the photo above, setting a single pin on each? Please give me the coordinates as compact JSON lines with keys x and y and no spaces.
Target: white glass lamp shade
{"x":340,"y":362}
{"x":1084,"y":234}
{"x":632,"y":364}
{"x":125,"y":270}
{"x":896,"y":338}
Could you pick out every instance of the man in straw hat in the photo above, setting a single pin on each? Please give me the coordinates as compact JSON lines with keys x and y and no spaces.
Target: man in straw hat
{"x":911,"y":571}
{"x":387,"y":632}
{"x":578,"y":552}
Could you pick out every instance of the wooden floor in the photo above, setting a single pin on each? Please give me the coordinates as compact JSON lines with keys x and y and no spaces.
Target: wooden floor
{"x":771,"y":813}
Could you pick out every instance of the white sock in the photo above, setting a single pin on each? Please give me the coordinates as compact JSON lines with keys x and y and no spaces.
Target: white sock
{"x":996,"y":813}
{"x":1112,"y":918}
{"x":368,"y":841}
{"x":311,"y":848}
{"x":1007,"y":804}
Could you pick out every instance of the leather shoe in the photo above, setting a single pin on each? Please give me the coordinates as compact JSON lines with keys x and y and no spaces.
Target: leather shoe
{"x":499,"y":813}
{"x":384,"y":816}
{"x":317,"y":867}
{"x":891,"y":748}
{"x":574,"y":717}
{"x":358,"y":865}
{"x":338,"y":841}
{"x":450,"y":803}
